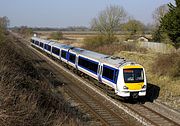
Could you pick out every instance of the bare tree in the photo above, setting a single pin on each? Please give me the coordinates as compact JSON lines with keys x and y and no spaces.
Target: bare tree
{"x":109,"y":20}
{"x":159,"y":13}
{"x":4,"y":22}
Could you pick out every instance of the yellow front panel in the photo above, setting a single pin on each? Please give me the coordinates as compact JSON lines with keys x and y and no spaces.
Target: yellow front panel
{"x":132,"y":66}
{"x":134,"y":86}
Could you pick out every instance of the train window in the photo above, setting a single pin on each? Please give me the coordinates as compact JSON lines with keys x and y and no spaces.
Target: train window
{"x":63,"y":54}
{"x":37,"y":42}
{"x":110,"y":73}
{"x":55,"y":50}
{"x":41,"y":44}
{"x":135,"y":75}
{"x":88,"y":64}
{"x":72,"y":58}
{"x":47,"y":47}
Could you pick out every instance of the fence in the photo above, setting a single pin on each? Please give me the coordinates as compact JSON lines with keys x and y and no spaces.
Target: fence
{"x":157,"y":47}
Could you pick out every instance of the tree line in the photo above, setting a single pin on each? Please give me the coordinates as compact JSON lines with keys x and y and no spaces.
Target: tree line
{"x":113,"y":18}
{"x":166,"y":26}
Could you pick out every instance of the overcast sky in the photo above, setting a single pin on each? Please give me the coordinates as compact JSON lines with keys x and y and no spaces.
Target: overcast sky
{"x":63,"y":13}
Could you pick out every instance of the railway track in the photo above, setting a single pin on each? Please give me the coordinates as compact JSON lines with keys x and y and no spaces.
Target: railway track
{"x":151,"y":116}
{"x":107,"y":114}
{"x":102,"y":113}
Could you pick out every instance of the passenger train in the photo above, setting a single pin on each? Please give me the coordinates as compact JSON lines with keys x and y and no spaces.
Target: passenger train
{"x":128,"y":79}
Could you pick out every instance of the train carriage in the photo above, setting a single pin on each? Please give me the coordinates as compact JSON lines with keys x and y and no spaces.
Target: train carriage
{"x":88,"y":62}
{"x":125,"y":77}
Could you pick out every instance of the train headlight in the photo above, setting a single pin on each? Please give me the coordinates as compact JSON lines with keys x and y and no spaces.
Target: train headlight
{"x":125,"y":87}
{"x":144,"y":87}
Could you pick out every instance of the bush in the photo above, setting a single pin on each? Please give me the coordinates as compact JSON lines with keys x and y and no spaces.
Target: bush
{"x":167,"y":64}
{"x":97,"y":41}
{"x":56,"y":35}
{"x":102,"y":45}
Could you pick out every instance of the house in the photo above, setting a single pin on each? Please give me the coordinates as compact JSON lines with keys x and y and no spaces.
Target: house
{"x":142,"y":39}
{"x":138,"y":39}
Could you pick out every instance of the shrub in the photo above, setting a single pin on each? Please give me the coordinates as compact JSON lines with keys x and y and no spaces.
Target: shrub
{"x":167,"y":64}
{"x":56,"y":35}
{"x":97,"y":41}
{"x":102,"y":45}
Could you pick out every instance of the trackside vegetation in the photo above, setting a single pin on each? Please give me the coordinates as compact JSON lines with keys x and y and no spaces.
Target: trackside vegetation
{"x":169,"y":25}
{"x":26,"y":99}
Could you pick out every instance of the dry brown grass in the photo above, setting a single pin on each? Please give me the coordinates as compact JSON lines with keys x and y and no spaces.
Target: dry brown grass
{"x":25,"y":98}
{"x":168,"y":64}
{"x":169,"y":86}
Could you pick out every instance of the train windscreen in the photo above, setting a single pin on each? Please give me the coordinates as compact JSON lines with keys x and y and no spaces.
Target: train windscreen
{"x":134,"y":75}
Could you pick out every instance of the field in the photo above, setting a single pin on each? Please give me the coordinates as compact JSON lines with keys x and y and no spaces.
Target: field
{"x":169,"y":86}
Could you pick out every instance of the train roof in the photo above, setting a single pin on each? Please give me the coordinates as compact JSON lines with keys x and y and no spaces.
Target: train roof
{"x":77,"y":50}
{"x":66,"y":47}
{"x":112,"y":60}
{"x":58,"y":45}
{"x":39,"y":39}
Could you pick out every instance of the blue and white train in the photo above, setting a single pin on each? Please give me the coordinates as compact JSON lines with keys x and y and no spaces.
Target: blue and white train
{"x":126,"y":78}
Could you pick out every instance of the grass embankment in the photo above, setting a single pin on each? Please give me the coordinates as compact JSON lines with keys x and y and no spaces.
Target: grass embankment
{"x":162,"y":70}
{"x":25,"y":98}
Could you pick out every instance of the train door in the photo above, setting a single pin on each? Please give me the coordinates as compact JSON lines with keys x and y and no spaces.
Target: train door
{"x":100,"y":69}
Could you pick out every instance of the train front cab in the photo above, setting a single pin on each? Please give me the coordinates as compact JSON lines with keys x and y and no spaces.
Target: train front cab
{"x":131,"y":81}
